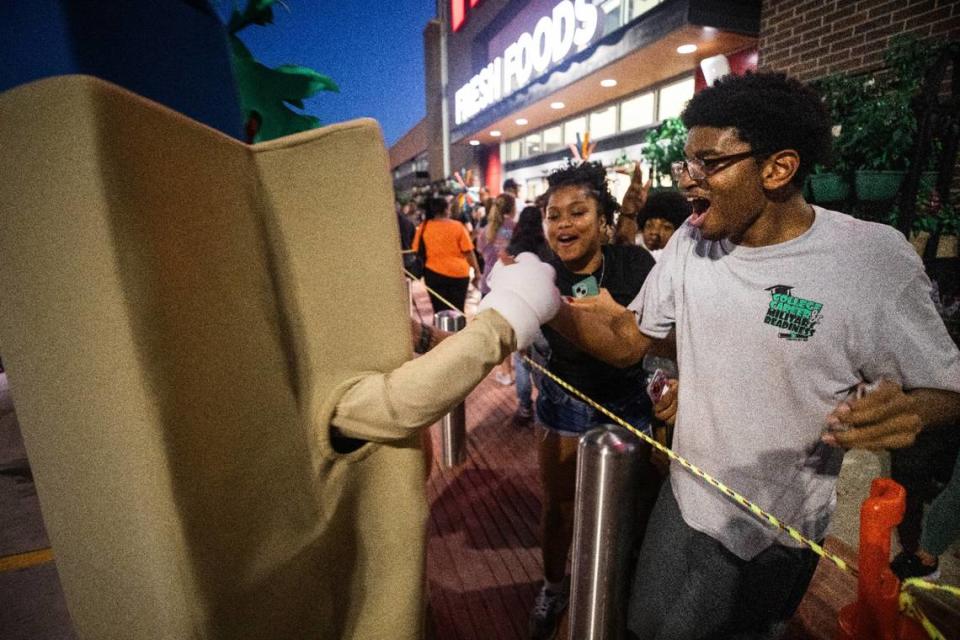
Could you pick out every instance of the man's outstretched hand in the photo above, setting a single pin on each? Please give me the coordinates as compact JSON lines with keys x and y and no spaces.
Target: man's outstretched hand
{"x":886,"y":418}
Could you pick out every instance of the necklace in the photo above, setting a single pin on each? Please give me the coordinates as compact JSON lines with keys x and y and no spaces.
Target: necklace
{"x":603,"y":268}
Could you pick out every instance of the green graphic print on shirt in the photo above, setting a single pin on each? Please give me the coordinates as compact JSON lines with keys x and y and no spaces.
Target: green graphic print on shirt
{"x":797,"y":316}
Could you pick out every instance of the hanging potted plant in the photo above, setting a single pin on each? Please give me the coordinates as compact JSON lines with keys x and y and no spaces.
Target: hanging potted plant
{"x":879,"y":135}
{"x":842,"y":94}
{"x":827,"y":186}
{"x":883,"y":126}
{"x":664,"y":146}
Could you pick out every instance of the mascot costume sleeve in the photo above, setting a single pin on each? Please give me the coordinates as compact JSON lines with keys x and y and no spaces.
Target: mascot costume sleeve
{"x":185,"y":319}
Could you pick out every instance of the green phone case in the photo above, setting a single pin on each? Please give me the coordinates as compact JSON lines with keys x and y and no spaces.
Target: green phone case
{"x":586,"y":288}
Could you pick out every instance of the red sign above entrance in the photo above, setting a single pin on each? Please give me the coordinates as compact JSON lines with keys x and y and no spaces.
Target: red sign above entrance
{"x":458,"y":12}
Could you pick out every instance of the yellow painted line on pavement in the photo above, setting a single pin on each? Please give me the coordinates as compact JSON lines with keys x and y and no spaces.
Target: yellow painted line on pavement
{"x":25,"y":560}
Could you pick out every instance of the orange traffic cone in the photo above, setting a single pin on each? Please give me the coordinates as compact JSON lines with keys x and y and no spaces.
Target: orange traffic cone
{"x":876,"y":613}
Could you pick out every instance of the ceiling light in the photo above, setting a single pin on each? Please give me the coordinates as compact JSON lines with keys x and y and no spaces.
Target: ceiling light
{"x":686,"y":48}
{"x":557,"y":105}
{"x":495,"y":133}
{"x":474,"y":143}
{"x":521,"y":121}
{"x":608,"y":82}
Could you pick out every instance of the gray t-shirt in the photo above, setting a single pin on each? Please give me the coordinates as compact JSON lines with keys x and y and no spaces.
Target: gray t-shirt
{"x":769,"y":341}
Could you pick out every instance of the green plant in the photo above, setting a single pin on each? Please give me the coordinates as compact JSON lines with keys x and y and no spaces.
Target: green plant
{"x":267,"y":92}
{"x":875,"y":115}
{"x":842,"y":95}
{"x":931,"y":214}
{"x":879,"y":134}
{"x":664,"y":146}
{"x":908,"y":59}
{"x":950,"y":221}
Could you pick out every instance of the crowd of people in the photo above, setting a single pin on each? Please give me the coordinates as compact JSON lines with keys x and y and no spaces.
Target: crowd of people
{"x":771,"y":317}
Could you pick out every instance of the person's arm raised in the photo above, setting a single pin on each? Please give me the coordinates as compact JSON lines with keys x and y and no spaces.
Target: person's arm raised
{"x":602,"y":328}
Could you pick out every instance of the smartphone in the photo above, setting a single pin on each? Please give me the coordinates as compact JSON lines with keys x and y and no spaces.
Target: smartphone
{"x":586,"y":288}
{"x":657,"y":386}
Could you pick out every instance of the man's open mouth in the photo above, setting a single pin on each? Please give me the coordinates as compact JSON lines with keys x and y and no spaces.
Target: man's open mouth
{"x":700,"y":207}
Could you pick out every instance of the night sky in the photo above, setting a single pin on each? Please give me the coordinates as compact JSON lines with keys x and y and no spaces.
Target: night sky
{"x":373,"y":50}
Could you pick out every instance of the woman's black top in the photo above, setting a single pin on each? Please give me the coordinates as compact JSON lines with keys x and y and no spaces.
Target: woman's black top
{"x":623,"y":271}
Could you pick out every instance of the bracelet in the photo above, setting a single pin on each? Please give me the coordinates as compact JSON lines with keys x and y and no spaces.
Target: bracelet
{"x":424,"y":344}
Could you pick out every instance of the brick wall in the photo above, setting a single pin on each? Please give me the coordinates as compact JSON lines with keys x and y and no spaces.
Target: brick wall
{"x":809,"y":39}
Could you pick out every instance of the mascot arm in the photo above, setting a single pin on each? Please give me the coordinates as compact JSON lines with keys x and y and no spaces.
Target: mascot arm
{"x":382,"y":407}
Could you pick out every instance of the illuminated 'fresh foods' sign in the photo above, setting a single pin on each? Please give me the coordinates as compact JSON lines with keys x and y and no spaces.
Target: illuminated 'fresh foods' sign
{"x":571,"y":26}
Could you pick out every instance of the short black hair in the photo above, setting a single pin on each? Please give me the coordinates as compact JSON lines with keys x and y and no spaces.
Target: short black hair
{"x":435,"y":205}
{"x":770,"y":112}
{"x":510,"y":183}
{"x":591,"y":175}
{"x":669,"y":204}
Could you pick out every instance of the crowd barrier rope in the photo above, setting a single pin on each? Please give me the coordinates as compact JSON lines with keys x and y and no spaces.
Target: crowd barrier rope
{"x":908,"y":604}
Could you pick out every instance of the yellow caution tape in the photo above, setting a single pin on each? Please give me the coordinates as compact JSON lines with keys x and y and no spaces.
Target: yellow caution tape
{"x":435,"y":294}
{"x":759,"y":513}
{"x":910,"y":606}
{"x":907,"y":601}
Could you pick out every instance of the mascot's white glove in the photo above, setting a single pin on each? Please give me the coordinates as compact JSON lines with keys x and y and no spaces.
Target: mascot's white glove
{"x":524,"y":293}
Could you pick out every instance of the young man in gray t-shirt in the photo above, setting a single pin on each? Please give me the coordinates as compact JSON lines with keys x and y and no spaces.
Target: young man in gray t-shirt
{"x":780,"y":310}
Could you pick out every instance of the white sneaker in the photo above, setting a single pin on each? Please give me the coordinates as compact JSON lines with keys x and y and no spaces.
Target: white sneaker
{"x":546,"y":612}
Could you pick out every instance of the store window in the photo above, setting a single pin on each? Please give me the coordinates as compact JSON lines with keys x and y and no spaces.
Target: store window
{"x":533,"y":188}
{"x":572,"y":127}
{"x":603,"y":123}
{"x":532,"y":144}
{"x":612,"y":15}
{"x":673,"y":98}
{"x":636,"y":112}
{"x":552,"y":139}
{"x":515,"y":149}
{"x":634,"y":8}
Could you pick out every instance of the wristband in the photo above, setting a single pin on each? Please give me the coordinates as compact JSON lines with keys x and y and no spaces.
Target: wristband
{"x":424,"y":344}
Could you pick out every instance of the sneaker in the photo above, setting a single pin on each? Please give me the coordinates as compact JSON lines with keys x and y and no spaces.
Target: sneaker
{"x":546,"y":612}
{"x":907,"y":565}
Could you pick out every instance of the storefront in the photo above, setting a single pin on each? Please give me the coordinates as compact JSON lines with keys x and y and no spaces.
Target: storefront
{"x":528,"y":79}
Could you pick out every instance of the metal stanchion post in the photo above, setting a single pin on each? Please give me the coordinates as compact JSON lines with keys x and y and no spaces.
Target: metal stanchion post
{"x":604,"y":513}
{"x":453,"y":426}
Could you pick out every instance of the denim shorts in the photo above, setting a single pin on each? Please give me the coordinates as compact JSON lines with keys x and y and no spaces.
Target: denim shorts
{"x":560,"y":412}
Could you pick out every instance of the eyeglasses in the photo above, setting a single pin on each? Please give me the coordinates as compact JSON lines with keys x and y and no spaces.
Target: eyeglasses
{"x":699,"y":169}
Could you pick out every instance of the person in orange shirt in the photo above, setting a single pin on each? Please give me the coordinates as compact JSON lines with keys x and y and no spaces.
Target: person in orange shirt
{"x":449,"y":255}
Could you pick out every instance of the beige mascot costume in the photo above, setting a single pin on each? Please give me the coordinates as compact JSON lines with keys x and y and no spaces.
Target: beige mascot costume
{"x":185,"y":320}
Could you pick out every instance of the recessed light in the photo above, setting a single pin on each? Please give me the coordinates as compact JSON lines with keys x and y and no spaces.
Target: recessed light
{"x":557,"y":105}
{"x":686,"y":48}
{"x":495,"y":134}
{"x":474,"y":143}
{"x":608,"y":82}
{"x":521,"y":121}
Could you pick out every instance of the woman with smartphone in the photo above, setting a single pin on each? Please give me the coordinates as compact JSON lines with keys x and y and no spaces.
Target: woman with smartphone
{"x":579,"y":209}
